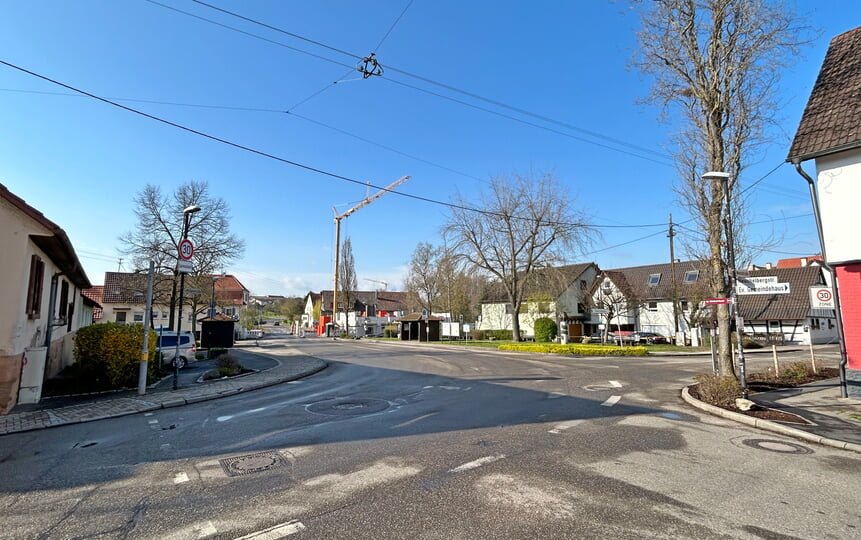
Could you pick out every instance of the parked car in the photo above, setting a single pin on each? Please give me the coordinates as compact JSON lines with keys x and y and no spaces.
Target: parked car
{"x":651,"y":338}
{"x":166,"y":346}
{"x":625,"y":336}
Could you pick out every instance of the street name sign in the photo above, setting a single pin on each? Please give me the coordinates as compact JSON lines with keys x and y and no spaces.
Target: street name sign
{"x":184,"y":267}
{"x":716,"y":301}
{"x":761,"y":285}
{"x":600,"y":311}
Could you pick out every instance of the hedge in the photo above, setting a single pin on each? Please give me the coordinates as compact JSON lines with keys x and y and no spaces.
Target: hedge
{"x":576,"y":349}
{"x":108,"y":354}
{"x":545,"y":330}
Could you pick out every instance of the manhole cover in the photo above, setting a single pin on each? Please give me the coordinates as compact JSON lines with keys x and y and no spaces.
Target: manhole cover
{"x":251,"y":463}
{"x":780,"y":447}
{"x":348,"y":406}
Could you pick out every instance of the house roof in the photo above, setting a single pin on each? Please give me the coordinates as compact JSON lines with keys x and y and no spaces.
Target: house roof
{"x":56,"y":245}
{"x":124,"y":288}
{"x":381,"y":300}
{"x":794,"y":305}
{"x":550,"y":281}
{"x":795,"y":262}
{"x":228,"y":283}
{"x":832,"y":118}
{"x":634,"y":280}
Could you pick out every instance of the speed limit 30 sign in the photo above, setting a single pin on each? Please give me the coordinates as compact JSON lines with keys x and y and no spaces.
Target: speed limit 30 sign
{"x":186,"y":249}
{"x":821,"y":297}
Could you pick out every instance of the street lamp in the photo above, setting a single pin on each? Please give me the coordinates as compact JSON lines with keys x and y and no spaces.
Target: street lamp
{"x":730,"y":252}
{"x":186,"y":216}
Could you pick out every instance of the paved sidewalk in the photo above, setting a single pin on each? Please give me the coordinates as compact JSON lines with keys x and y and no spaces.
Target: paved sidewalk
{"x":160,"y":396}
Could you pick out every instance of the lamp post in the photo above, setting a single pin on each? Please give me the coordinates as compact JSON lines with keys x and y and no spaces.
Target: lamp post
{"x":186,"y":215}
{"x":730,"y":253}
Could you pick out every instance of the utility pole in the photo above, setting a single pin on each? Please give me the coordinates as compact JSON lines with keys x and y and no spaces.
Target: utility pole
{"x":670,"y":235}
{"x":338,"y":217}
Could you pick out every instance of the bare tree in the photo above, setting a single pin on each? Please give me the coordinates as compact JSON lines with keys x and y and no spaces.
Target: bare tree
{"x":159,"y":231}
{"x":519,"y":225}
{"x":423,"y":276}
{"x":715,"y":65}
{"x":612,"y":293}
{"x":347,"y":281}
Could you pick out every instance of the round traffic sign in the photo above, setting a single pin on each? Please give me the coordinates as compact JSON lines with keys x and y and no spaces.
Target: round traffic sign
{"x":824,"y":295}
{"x":186,"y":249}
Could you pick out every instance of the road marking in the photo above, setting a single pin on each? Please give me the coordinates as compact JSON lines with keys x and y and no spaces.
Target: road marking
{"x":612,"y":400}
{"x":615,"y":384}
{"x":564,"y":425}
{"x":208,"y":529}
{"x":180,"y":478}
{"x":477,"y":463}
{"x":153,"y":421}
{"x":556,"y":395}
{"x":276,"y":532}
{"x":165,"y":447}
{"x":414,"y":420}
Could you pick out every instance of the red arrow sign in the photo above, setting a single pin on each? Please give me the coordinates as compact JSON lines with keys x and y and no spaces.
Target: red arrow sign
{"x":714,"y":301}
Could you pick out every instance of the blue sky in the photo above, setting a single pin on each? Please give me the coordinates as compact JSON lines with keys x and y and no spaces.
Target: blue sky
{"x":81,"y":161}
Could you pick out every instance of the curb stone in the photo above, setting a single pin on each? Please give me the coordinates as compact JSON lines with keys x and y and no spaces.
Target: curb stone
{"x":767,"y":424}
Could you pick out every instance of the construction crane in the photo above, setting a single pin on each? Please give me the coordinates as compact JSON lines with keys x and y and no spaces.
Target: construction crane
{"x":338,"y":217}
{"x":382,"y":282}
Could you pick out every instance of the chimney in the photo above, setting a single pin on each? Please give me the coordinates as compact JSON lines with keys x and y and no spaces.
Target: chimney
{"x":804,"y":261}
{"x":768,"y":266}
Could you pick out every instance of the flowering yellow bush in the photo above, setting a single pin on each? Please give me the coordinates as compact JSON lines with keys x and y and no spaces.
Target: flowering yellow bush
{"x":576,"y":349}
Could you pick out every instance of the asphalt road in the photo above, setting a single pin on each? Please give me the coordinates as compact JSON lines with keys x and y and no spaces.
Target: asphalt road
{"x":407,"y":441}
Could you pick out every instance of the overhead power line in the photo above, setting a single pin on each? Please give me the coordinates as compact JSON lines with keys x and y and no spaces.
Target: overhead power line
{"x":427,"y":80}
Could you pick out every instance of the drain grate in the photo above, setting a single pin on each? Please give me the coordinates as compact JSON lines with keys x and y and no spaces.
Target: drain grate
{"x":251,"y":463}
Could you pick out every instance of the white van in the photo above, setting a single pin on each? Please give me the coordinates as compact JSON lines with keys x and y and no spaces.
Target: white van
{"x":166,"y":345}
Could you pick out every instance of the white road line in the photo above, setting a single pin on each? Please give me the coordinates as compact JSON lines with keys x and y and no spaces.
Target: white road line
{"x":153,"y":421}
{"x":477,"y":463}
{"x":208,"y":529}
{"x":564,"y":425}
{"x":180,"y":478}
{"x":276,"y":532}
{"x":414,"y":420}
{"x":615,"y":384}
{"x":612,"y":400}
{"x":556,"y":395}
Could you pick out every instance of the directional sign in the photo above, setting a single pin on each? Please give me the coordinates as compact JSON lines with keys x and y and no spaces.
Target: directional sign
{"x":821,"y":298}
{"x":747,"y":286}
{"x":186,"y":249}
{"x":715,"y":301}
{"x":184,"y":267}
{"x":756,"y":280}
{"x":599,"y":311}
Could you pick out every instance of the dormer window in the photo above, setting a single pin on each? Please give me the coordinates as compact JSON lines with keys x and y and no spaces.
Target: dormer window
{"x":654,"y":279}
{"x":691,"y":276}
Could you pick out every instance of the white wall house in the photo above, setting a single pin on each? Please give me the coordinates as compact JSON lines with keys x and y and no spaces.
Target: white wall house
{"x":41,"y":305}
{"x":561,"y":294}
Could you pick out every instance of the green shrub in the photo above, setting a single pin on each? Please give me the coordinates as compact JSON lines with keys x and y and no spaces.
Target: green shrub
{"x":108,"y":355}
{"x":797,"y":371}
{"x":498,"y":335}
{"x":717,"y":389}
{"x":748,"y":343}
{"x":576,"y":349}
{"x":390,"y":331}
{"x":227,"y":366}
{"x":545,"y":329}
{"x":477,"y":335}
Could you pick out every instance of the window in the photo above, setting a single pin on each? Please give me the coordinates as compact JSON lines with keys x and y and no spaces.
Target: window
{"x":814,"y":324}
{"x":34,"y":287}
{"x":684,"y":305}
{"x":138,"y":316}
{"x":164,"y":315}
{"x":121,"y":316}
{"x":230,"y":311}
{"x":64,"y":301}
{"x":654,"y":279}
{"x":652,"y":306}
{"x":691,"y":276}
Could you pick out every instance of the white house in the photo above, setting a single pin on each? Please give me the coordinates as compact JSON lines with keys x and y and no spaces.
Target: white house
{"x":41,"y":305}
{"x":560,"y":293}
{"x":829,"y":134}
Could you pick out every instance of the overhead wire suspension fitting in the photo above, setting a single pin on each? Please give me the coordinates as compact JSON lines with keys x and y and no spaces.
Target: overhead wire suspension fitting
{"x":369,"y":66}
